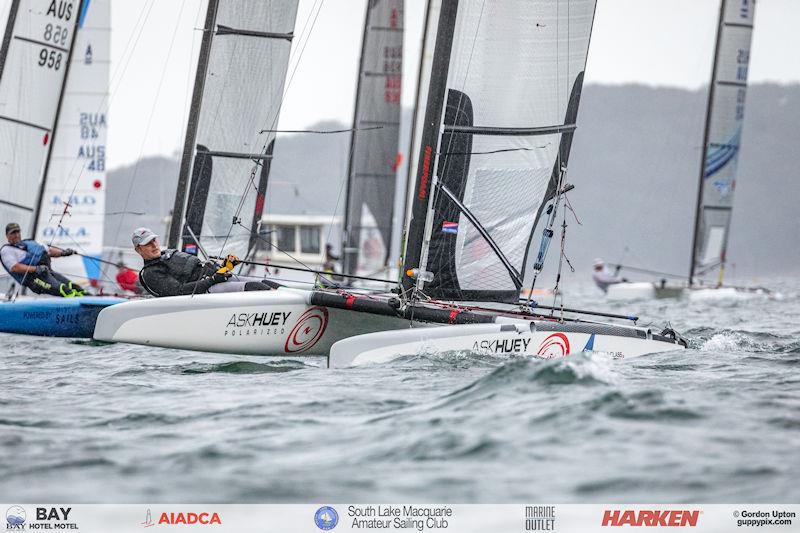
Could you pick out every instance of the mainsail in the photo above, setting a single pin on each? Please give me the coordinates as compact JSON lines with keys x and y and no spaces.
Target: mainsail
{"x":73,"y":203}
{"x":237,"y":95}
{"x":374,"y":159}
{"x":722,"y":137}
{"x":34,"y":61}
{"x":501,"y":105}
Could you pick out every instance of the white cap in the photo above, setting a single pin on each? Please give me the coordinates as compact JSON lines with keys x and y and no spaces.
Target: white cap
{"x":598,"y":262}
{"x":142,"y":236}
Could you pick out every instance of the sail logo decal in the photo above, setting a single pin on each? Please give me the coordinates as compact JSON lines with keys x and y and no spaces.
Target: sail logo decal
{"x":307,"y":331}
{"x":449,"y":227}
{"x":426,"y":171}
{"x":555,"y":345}
{"x":720,"y":154}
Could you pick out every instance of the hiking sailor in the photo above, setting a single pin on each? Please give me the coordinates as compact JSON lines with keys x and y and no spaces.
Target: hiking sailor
{"x":28,"y":262}
{"x":172,"y":272}
{"x":603,"y":277}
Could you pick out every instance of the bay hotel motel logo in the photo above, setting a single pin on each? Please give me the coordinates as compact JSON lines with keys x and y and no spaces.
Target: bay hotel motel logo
{"x":46,"y":518}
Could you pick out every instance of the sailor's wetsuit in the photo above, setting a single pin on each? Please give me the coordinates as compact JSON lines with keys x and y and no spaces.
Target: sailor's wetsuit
{"x":176,"y":273}
{"x":44,"y":281}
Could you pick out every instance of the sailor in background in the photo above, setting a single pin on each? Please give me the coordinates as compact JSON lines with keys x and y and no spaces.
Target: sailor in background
{"x":28,"y":262}
{"x":603,"y":277}
{"x":173,"y":273}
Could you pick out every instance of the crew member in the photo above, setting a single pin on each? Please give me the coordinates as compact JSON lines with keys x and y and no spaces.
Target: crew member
{"x":603,"y":277}
{"x":28,"y":262}
{"x":172,"y":272}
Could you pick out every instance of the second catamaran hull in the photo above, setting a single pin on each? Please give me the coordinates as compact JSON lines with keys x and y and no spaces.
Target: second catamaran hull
{"x":280,"y":322}
{"x":519,"y":338}
{"x":642,"y":291}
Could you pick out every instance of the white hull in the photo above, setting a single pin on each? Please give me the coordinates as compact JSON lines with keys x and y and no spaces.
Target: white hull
{"x":731,"y":294}
{"x":641,"y":291}
{"x":514,"y":338}
{"x":279,"y":322}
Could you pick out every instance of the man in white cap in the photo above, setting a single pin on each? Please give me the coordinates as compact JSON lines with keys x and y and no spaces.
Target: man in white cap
{"x":173,"y":273}
{"x":603,"y":277}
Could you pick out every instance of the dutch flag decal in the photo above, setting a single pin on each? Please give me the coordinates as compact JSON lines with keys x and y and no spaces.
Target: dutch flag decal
{"x":449,"y":227}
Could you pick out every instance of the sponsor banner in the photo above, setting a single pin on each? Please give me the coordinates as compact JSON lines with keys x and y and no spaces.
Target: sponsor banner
{"x":402,"y":517}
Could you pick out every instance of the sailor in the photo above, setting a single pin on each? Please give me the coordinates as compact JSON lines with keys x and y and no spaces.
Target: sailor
{"x":28,"y":262}
{"x":172,"y":272}
{"x":603,"y":277}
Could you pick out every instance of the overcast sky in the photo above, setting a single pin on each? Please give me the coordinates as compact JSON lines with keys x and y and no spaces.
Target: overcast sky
{"x":155,"y":44}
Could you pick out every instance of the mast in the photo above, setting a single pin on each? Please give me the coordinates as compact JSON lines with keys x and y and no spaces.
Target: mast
{"x":412,"y":137}
{"x":429,"y":139}
{"x":346,"y":254}
{"x":706,"y":133}
{"x":43,"y":180}
{"x":176,"y":224}
{"x":372,"y":165}
{"x":12,"y":19}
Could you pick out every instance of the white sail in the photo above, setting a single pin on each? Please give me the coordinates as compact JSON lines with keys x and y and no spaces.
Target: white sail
{"x":33,"y":65}
{"x":501,"y":107}
{"x":723,"y":134}
{"x":76,"y":173}
{"x":237,"y":95}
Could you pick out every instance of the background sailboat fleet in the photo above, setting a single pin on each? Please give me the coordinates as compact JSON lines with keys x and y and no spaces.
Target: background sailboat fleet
{"x":497,"y":106}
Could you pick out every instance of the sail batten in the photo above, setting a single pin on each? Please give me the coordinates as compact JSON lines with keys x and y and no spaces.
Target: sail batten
{"x":373,"y":161}
{"x":722,"y":137}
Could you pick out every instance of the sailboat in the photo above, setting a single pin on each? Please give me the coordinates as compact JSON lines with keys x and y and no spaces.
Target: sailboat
{"x":719,"y":165}
{"x":53,"y":85}
{"x":499,"y":106}
{"x":284,"y":320}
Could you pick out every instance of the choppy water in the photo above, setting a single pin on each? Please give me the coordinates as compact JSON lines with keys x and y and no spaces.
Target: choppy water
{"x":117,"y":423}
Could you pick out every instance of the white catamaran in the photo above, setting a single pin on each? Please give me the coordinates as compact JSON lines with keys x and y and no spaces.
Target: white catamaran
{"x":497,"y":111}
{"x":718,"y":168}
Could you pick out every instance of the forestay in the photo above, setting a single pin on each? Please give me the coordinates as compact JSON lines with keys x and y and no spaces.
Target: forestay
{"x":34,"y":61}
{"x":73,"y":203}
{"x":240,"y":80}
{"x":722,"y":137}
{"x":502,"y":101}
{"x":374,"y":154}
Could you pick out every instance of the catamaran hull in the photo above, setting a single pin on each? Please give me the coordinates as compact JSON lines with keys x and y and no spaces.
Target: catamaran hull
{"x":53,"y":317}
{"x":514,"y":338}
{"x":642,"y":291}
{"x":280,"y":322}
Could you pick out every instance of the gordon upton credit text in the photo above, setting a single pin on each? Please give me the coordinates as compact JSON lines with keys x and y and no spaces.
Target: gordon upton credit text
{"x":399,"y":516}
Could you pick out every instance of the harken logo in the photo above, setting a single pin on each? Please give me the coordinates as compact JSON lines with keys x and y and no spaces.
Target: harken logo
{"x":651,"y":518}
{"x":15,"y":517}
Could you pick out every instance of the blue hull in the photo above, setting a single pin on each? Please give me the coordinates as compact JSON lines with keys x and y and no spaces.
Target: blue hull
{"x":54,"y":317}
